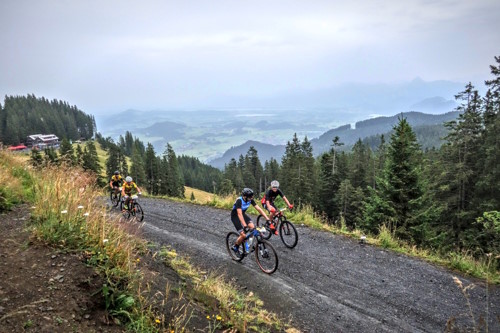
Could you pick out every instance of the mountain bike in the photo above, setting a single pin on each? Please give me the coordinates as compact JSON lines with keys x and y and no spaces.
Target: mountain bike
{"x":134,"y":210}
{"x":265,"y":255}
{"x":286,"y":229}
{"x":115,"y":196}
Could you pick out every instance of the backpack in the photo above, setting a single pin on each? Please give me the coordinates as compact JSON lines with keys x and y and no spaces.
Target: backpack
{"x":263,"y":200}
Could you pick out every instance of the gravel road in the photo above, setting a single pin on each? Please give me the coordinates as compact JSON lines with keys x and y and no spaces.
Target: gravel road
{"x":328,"y":283}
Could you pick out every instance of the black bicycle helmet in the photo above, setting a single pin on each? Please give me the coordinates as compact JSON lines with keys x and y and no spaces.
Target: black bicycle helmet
{"x":247,"y":192}
{"x":117,"y":172}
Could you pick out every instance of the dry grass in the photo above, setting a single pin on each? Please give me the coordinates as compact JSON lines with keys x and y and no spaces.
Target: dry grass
{"x":230,"y":308}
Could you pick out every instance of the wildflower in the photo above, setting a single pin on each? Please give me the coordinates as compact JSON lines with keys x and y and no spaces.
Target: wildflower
{"x":33,"y":207}
{"x":138,"y":259}
{"x":64,"y":212}
{"x":86,"y":214}
{"x":208,"y":317}
{"x":157,"y":320}
{"x":218,"y":317}
{"x":80,"y":207}
{"x":104,"y":241}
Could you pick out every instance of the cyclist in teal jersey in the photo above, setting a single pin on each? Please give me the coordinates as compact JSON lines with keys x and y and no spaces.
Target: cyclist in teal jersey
{"x":240,"y":219}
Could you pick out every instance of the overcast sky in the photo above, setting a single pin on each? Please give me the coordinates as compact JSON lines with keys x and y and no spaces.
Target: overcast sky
{"x":114,"y":55}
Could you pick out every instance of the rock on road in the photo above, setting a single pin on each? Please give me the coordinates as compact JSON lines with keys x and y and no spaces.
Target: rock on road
{"x":328,"y":283}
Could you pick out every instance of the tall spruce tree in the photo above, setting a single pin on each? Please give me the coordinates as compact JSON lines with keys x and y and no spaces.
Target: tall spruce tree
{"x":66,"y":152}
{"x":397,"y":197}
{"x":137,"y":169}
{"x":153,"y":178}
{"x":175,"y":183}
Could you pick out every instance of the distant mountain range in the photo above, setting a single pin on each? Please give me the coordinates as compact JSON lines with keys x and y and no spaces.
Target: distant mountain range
{"x":207,"y":133}
{"x":429,"y":129}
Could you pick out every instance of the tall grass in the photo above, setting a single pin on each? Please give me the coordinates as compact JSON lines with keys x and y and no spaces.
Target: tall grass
{"x":15,"y":181}
{"x":67,"y":213}
{"x":229,"y":307}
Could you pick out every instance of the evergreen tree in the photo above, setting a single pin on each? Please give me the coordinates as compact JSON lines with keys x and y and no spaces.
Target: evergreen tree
{"x":397,"y":198}
{"x":153,"y":178}
{"x":79,"y":155}
{"x":488,"y":183}
{"x":232,"y":172}
{"x":456,"y":183}
{"x":137,"y":169}
{"x":36,"y":158}
{"x":175,"y":184}
{"x":50,"y":156}
{"x":90,"y":159}
{"x":66,"y":151}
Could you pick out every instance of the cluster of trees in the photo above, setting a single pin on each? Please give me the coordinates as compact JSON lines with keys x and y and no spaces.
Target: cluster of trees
{"x":87,"y":157}
{"x":21,"y":116}
{"x":442,"y":198}
{"x":160,"y":175}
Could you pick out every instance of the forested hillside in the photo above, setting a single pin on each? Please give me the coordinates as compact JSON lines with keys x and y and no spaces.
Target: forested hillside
{"x":429,"y":128}
{"x":21,"y":116}
{"x":445,"y":198}
{"x":383,"y":125}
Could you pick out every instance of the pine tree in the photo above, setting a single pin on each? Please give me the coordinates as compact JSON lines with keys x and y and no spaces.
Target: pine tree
{"x":137,"y":169}
{"x":90,"y":158}
{"x":151,"y":167}
{"x":66,"y":151}
{"x":488,"y":182}
{"x":36,"y":158}
{"x":398,"y":194}
{"x":175,"y":184}
{"x":79,"y":155}
{"x":456,"y":182}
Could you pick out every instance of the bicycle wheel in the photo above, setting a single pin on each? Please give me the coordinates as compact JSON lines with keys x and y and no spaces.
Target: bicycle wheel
{"x":266,"y":257}
{"x":125,"y":216}
{"x":288,"y":234}
{"x":261,"y":222}
{"x":230,"y":241}
{"x":115,"y":198}
{"x":138,"y":212}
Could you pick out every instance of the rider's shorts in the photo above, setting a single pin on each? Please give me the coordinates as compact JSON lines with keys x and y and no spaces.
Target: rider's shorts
{"x":237,"y":223}
{"x":266,"y":207}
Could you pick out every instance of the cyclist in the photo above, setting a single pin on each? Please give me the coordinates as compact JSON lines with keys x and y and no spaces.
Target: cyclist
{"x":127,"y":189}
{"x":116,"y":181}
{"x":268,"y":202}
{"x":240,"y":219}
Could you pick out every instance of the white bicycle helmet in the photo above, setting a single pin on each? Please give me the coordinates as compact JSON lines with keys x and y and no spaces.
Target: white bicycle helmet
{"x":275,"y":183}
{"x":128,"y":179}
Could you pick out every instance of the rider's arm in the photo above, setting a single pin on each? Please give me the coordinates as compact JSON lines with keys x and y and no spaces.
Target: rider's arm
{"x":261,"y":211}
{"x":286,"y":200}
{"x":240,"y":216}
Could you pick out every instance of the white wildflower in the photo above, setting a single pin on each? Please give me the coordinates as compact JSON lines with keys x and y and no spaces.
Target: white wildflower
{"x":80,"y":207}
{"x":64,"y":212}
{"x":86,"y":214}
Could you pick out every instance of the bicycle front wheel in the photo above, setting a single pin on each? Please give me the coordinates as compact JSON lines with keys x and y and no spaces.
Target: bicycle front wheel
{"x":230,"y":241}
{"x":261,"y":222}
{"x":138,"y":212}
{"x":288,"y":234}
{"x":266,"y":257}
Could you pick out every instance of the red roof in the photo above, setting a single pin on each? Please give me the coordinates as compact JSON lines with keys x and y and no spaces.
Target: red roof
{"x":17,"y":147}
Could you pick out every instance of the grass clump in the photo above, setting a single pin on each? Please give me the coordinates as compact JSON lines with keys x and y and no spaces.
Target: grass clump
{"x":228,"y":307}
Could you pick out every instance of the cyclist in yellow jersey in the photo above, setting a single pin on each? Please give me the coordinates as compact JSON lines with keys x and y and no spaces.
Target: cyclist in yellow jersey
{"x":127,"y":189}
{"x":116,"y":181}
